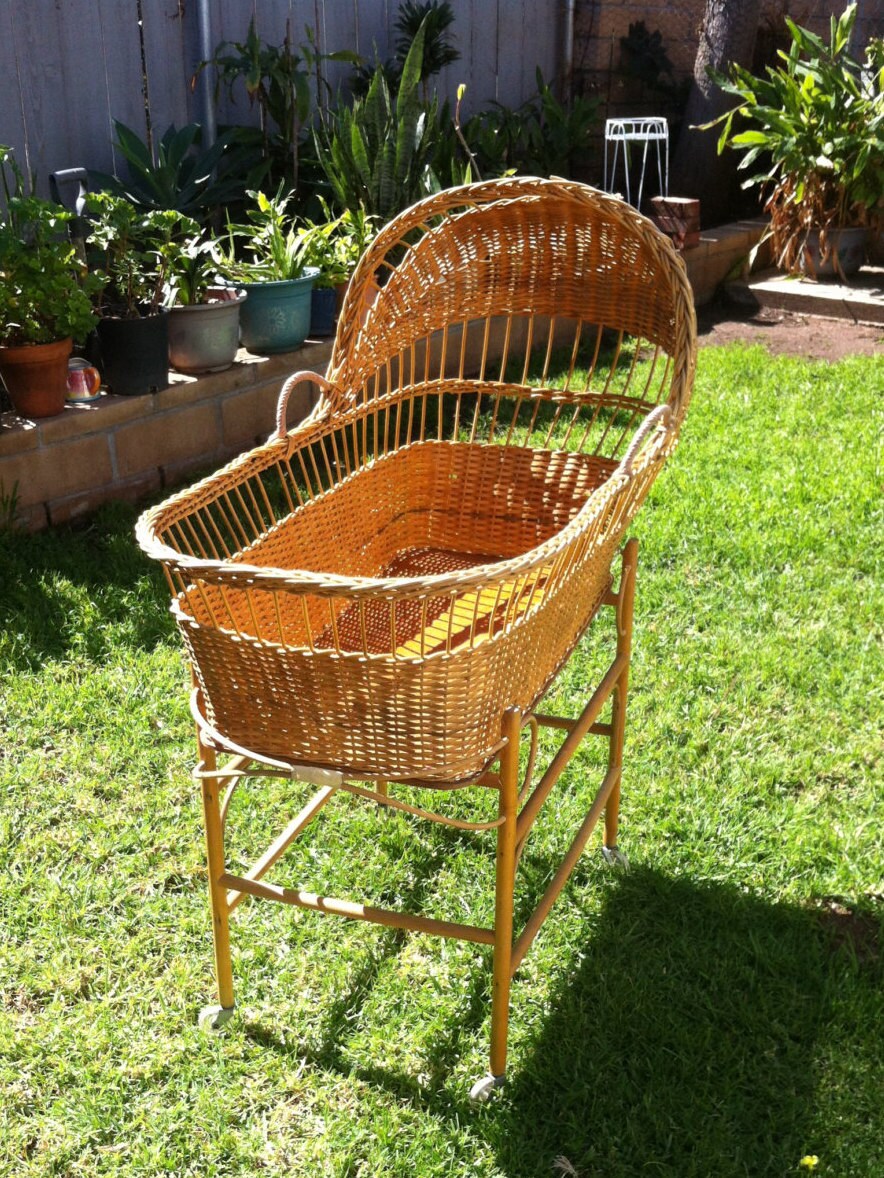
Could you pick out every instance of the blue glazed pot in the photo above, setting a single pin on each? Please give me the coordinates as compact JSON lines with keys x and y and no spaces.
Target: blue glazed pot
{"x":847,"y":245}
{"x":323,"y":310}
{"x":276,"y":315}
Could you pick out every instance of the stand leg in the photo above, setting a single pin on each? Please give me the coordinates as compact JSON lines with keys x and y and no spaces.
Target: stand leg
{"x":624,"y":614}
{"x":503,"y":908}
{"x":214,"y":1017}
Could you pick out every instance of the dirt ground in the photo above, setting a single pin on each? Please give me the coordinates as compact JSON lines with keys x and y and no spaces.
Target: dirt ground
{"x":786,"y":333}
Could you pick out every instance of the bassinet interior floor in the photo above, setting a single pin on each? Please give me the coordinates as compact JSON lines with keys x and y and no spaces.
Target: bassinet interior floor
{"x":428,"y":509}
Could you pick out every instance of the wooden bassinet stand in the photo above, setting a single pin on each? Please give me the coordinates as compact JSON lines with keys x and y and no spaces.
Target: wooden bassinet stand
{"x":385,"y":593}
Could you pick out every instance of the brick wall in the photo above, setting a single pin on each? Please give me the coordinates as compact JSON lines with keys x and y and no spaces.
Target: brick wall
{"x":601,"y":23}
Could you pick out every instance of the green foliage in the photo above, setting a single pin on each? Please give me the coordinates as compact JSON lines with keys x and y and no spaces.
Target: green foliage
{"x":182,"y":177}
{"x":276,"y":245}
{"x":393,"y":147}
{"x":436,"y":16}
{"x":192,"y":263}
{"x":280,"y":82}
{"x":335,"y":244}
{"x":540,"y":138}
{"x":129,"y":249}
{"x":276,"y":249}
{"x":44,"y":288}
{"x":377,"y":154}
{"x":816,"y":127}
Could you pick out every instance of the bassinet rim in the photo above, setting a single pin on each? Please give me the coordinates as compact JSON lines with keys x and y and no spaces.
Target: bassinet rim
{"x":335,"y":585}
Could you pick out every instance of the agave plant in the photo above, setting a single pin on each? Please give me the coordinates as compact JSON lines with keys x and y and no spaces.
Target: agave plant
{"x":181,"y":176}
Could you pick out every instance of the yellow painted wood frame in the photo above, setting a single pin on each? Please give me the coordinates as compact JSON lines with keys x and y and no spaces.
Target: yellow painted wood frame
{"x":518,"y":809}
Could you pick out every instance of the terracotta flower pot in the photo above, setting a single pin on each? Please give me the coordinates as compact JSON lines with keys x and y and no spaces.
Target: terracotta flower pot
{"x":36,"y":377}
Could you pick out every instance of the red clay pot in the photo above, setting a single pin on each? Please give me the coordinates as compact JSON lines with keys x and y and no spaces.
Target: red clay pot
{"x":36,"y":377}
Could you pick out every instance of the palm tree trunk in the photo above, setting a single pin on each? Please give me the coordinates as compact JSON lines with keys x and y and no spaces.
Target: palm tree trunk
{"x":727,"y":34}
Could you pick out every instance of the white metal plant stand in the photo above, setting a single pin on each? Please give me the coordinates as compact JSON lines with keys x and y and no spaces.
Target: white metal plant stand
{"x":620,"y":134}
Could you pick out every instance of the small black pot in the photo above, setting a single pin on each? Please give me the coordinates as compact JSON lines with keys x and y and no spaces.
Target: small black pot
{"x":133,"y":354}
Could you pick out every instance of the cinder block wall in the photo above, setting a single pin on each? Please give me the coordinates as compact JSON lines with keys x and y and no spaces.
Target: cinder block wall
{"x":62,"y":468}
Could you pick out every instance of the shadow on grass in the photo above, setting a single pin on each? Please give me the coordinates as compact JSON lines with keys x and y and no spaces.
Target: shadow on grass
{"x":682,"y":1043}
{"x":84,"y":587}
{"x":683,"y":1039}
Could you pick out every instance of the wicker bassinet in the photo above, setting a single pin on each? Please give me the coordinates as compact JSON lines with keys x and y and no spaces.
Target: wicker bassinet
{"x":370,"y":591}
{"x":387,"y":590}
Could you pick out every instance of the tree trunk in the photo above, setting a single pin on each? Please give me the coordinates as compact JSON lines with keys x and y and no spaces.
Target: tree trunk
{"x":727,"y":34}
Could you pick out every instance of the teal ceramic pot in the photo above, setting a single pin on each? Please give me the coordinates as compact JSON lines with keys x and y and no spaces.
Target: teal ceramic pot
{"x":276,"y":315}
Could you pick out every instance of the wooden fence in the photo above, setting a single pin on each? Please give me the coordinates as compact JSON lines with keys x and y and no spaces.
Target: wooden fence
{"x":68,"y":68}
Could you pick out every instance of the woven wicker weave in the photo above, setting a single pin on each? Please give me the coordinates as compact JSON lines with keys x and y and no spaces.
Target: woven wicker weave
{"x":371,"y":590}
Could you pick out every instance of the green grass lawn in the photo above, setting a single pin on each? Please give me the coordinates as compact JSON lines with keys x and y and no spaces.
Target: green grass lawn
{"x":717,"y":1010}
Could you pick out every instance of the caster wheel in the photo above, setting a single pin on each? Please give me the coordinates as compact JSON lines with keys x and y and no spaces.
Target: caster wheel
{"x":213,"y":1018}
{"x":482,"y":1091}
{"x":615,"y":858}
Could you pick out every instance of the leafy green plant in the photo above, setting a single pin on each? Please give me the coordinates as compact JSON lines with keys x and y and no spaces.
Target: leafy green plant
{"x":44,"y":287}
{"x":192,"y":262}
{"x":539,"y":138}
{"x":276,"y":249}
{"x":377,"y":154}
{"x":129,"y":250}
{"x":816,"y":127}
{"x":181,"y":175}
{"x":335,"y":244}
{"x":280,"y":82}
{"x":436,"y":16}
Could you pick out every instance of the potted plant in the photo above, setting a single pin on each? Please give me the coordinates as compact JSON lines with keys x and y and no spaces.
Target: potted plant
{"x":268,"y":258}
{"x":816,"y":125}
{"x":128,"y":249}
{"x":334,"y":246}
{"x":44,"y":297}
{"x":203,"y":312}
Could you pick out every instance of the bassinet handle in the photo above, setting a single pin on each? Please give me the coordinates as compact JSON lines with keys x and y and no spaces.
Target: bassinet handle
{"x":285,"y":392}
{"x":662,"y":415}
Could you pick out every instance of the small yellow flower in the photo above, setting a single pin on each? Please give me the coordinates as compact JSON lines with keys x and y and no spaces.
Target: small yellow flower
{"x":809,"y":1162}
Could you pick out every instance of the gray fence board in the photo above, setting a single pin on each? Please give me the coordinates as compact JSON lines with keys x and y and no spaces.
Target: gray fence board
{"x":124,"y":95}
{"x":171,"y":55}
{"x":12,"y":133}
{"x":40,"y":81}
